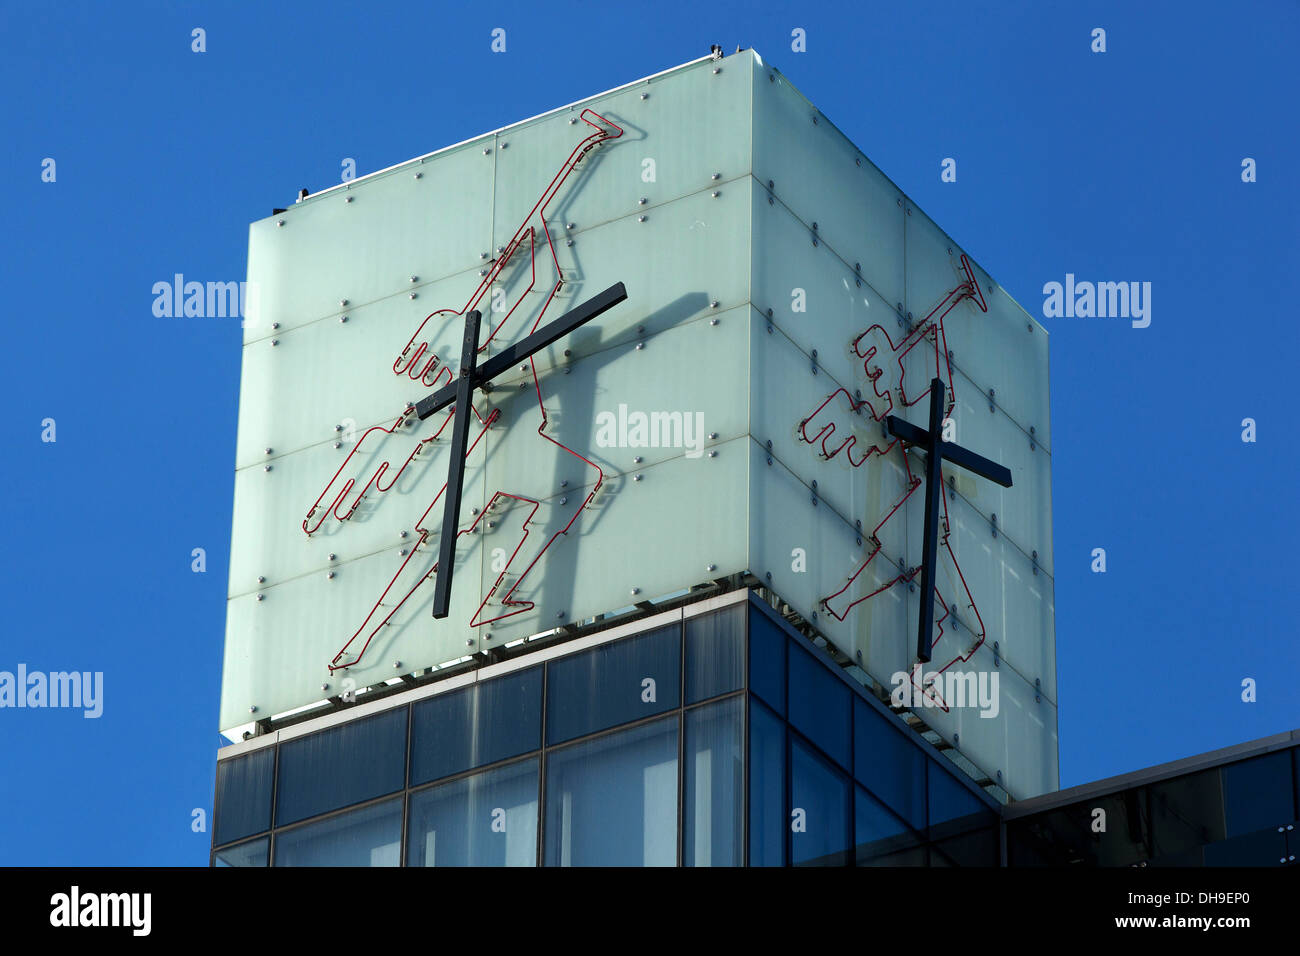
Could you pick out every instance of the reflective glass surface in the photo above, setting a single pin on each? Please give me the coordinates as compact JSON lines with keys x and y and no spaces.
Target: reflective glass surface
{"x":1257,"y":793}
{"x":713,"y":828}
{"x":252,"y":853}
{"x":486,"y":819}
{"x":370,"y":836}
{"x":889,"y":764}
{"x":880,"y":836}
{"x":973,"y":848}
{"x":478,"y":725}
{"x":1264,"y":847}
{"x":244,"y":796}
{"x":953,"y":808}
{"x":1185,"y":812}
{"x":820,"y":809}
{"x":715,"y":653}
{"x":820,"y":705}
{"x":341,"y":766}
{"x":612,"y":801}
{"x":610,"y":685}
{"x":767,"y":818}
{"x":767,"y":647}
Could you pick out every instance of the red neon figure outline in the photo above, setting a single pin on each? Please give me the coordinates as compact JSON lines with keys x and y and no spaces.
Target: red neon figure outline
{"x":430,"y":374}
{"x":931,"y":330}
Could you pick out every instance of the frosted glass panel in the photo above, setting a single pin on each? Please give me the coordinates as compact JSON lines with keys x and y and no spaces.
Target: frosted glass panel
{"x":823,"y":178}
{"x":1002,"y":349}
{"x":429,"y":228}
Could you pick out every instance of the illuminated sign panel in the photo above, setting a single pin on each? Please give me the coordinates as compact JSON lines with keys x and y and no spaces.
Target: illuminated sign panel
{"x":727,"y":417}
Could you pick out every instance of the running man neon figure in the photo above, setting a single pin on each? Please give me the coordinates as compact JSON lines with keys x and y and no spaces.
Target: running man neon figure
{"x":344,"y":492}
{"x":829,"y":429}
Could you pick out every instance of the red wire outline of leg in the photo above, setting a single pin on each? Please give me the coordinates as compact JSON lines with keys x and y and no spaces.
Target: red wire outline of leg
{"x":334,"y":664}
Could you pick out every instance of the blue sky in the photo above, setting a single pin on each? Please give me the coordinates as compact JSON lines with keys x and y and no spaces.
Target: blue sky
{"x":1121,"y":166}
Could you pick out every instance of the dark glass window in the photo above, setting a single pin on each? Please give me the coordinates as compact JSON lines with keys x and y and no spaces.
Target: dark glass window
{"x":478,"y":725}
{"x":252,"y":853}
{"x":767,"y":644}
{"x":341,"y":766}
{"x":606,"y":686}
{"x":820,"y":706}
{"x":819,"y":809}
{"x":1185,"y":812}
{"x":1257,"y":793}
{"x":612,"y":800}
{"x":715,"y":653}
{"x":767,"y":816}
{"x":888,"y":764}
{"x":953,"y":808}
{"x":371,"y":836}
{"x":881,"y":837}
{"x":714,"y":785}
{"x":973,"y":848}
{"x":1262,"y":848}
{"x":244,"y":795}
{"x":485,"y":819}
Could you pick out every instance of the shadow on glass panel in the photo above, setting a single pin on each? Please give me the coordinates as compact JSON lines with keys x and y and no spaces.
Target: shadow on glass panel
{"x":715,"y":653}
{"x":479,"y":725}
{"x":615,"y":684}
{"x":371,"y":836}
{"x":612,"y":800}
{"x":486,"y":819}
{"x":252,"y":853}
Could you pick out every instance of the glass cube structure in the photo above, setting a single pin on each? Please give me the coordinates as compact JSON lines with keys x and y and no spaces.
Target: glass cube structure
{"x":726,"y":421}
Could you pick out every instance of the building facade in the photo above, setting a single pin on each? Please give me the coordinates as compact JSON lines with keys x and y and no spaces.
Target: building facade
{"x":715,"y":734}
{"x":728,"y":422}
{"x":689,"y":544}
{"x":1239,"y":806}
